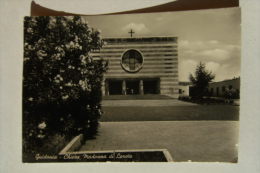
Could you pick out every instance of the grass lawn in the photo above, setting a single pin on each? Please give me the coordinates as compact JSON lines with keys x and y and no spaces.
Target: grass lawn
{"x":136,"y":97}
{"x":170,"y":113}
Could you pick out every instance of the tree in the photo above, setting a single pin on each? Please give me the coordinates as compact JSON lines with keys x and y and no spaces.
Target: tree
{"x":201,"y":81}
{"x":61,"y":82}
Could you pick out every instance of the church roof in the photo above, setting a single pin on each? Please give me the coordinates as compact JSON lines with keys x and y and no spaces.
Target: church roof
{"x":141,"y":39}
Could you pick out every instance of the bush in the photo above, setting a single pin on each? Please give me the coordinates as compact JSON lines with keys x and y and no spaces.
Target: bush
{"x":185,"y":98}
{"x":61,"y":82}
{"x":203,"y":100}
{"x":231,"y":94}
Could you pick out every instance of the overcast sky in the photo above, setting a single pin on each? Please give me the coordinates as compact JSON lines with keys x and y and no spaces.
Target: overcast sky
{"x":209,"y":36}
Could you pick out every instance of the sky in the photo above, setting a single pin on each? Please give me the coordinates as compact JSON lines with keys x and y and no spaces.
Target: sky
{"x":212,"y":36}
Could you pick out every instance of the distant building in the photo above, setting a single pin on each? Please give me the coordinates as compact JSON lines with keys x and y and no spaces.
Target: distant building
{"x":218,"y":89}
{"x":184,"y":88}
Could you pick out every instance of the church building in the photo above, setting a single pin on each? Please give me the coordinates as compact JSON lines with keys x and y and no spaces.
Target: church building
{"x":137,"y":66}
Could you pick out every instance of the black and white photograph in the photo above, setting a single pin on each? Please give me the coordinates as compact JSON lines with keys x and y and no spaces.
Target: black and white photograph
{"x":146,"y":87}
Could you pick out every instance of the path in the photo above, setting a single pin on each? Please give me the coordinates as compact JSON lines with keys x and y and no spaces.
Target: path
{"x":210,"y":141}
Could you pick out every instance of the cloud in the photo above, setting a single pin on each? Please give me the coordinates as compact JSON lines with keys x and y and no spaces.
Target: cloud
{"x":184,"y":43}
{"x":138,"y":28}
{"x":216,"y":54}
{"x":194,"y":45}
{"x":185,"y":68}
{"x":221,"y":58}
{"x":188,"y":67}
{"x":212,"y":66}
{"x":211,"y":50}
{"x":213,"y":42}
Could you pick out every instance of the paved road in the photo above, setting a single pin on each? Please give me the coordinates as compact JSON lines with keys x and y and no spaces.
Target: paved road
{"x":202,"y":141}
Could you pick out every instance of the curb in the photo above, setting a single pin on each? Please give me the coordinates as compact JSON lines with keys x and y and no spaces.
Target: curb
{"x":71,"y":149}
{"x":73,"y":145}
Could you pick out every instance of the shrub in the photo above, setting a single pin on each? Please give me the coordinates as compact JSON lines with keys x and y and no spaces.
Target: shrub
{"x":185,"y":98}
{"x":61,"y":81}
{"x":231,"y":94}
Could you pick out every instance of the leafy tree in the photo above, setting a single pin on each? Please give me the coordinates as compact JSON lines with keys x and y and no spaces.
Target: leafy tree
{"x":61,"y":82}
{"x":201,"y":81}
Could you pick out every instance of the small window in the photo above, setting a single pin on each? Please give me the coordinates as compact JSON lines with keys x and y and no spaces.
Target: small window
{"x":223,"y":88}
{"x":217,"y":91}
{"x":168,"y":67}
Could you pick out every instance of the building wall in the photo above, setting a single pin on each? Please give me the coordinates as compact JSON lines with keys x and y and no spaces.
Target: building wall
{"x":160,"y":58}
{"x":184,"y":90}
{"x":217,"y":89}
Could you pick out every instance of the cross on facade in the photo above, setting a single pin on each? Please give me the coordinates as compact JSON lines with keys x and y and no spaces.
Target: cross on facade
{"x":131,"y":32}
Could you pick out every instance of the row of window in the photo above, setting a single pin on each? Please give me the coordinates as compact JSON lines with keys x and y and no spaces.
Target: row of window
{"x":223,"y":88}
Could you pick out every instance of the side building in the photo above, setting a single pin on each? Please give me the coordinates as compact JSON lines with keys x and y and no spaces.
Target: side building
{"x":147,"y":65}
{"x":218,"y":89}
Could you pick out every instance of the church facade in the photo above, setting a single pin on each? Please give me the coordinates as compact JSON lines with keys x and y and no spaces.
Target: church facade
{"x":147,"y":65}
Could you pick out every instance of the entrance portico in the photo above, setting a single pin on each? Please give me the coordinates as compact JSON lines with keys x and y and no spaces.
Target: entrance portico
{"x":133,"y":86}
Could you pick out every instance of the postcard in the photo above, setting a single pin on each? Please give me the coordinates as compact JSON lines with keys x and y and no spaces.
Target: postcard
{"x":157,"y":87}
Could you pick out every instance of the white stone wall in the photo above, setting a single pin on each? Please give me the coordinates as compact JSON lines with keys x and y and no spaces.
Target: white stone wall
{"x":185,"y":90}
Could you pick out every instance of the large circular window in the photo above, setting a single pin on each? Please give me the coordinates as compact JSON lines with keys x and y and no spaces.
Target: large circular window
{"x":132,"y":61}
